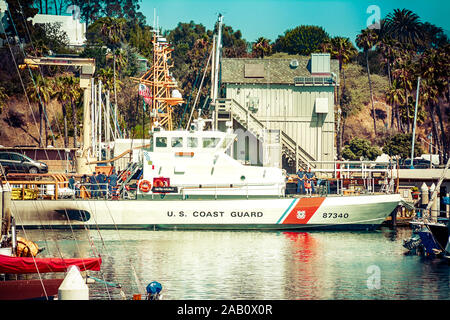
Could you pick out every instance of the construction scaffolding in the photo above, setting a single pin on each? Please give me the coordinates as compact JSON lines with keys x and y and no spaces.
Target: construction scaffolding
{"x":162,"y":87}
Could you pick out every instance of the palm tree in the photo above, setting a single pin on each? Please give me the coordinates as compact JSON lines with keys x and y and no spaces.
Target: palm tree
{"x":112,"y":30}
{"x":404,"y":26}
{"x":342,"y":49}
{"x":405,"y":72}
{"x":107,"y":78}
{"x":395,"y":97}
{"x":40,"y":91}
{"x":429,"y":96}
{"x":434,"y":65}
{"x":366,"y":40}
{"x":389,"y":48}
{"x":261,"y":48}
{"x":62,"y":94}
{"x":74,"y":93}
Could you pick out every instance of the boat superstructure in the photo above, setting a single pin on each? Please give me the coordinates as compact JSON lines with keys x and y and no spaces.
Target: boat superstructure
{"x":197,"y":163}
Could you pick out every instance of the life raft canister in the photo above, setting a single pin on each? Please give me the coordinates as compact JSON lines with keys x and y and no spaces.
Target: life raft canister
{"x":145,"y":186}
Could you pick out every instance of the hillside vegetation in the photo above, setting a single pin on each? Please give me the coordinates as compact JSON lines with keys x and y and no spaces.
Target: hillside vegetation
{"x":375,"y":99}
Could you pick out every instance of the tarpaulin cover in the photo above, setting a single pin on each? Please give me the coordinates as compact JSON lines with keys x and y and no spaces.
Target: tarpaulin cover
{"x":19,"y":265}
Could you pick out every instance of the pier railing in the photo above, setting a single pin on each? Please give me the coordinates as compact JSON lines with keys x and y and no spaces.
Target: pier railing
{"x":351,"y":175}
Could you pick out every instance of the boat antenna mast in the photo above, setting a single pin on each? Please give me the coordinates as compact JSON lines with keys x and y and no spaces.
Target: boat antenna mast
{"x":215,"y":70}
{"x":158,"y":86}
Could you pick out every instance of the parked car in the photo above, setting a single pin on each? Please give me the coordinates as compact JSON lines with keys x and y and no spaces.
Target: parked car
{"x":417,"y":163}
{"x":19,"y":163}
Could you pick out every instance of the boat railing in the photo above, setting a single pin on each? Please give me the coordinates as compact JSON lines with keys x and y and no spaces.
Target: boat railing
{"x":249,"y":188}
{"x":36,"y":186}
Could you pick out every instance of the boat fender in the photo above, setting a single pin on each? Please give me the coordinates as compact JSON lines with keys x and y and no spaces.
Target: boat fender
{"x":145,"y":186}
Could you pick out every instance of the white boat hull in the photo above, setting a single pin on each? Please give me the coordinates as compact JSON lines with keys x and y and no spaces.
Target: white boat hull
{"x":342,"y":212}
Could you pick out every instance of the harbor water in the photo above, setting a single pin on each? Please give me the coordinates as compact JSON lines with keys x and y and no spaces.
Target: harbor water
{"x":253,"y":265}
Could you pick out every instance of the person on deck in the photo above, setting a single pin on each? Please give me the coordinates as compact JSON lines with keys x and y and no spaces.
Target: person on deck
{"x":74,"y":186}
{"x":300,"y":181}
{"x":101,"y":181}
{"x":94,"y":186}
{"x":310,"y":177}
{"x":112,"y":183}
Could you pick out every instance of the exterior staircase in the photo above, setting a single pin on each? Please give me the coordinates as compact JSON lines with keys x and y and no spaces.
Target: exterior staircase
{"x":229,"y":109}
{"x":127,"y":175}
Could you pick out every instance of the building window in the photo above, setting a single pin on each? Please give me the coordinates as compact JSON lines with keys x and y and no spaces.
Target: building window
{"x":161,"y":142}
{"x":253,"y":104}
{"x":177,"y":142}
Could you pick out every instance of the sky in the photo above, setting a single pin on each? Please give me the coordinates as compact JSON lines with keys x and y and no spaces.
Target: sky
{"x":271,"y":18}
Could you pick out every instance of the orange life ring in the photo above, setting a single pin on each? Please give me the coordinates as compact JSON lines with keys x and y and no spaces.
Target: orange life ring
{"x":145,"y":186}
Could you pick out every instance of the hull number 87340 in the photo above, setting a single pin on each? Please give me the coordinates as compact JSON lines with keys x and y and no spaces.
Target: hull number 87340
{"x":334,"y":215}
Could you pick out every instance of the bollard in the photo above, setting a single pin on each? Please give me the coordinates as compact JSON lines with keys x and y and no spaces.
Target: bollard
{"x":424,"y":196}
{"x":1,"y":209}
{"x":434,"y":210}
{"x":447,"y":207}
{"x":73,"y":286}
{"x":5,"y":209}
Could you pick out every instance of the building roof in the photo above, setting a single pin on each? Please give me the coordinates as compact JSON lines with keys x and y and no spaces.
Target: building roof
{"x":271,"y":70}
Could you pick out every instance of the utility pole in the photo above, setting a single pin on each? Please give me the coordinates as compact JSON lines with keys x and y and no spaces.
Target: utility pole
{"x":415,"y":120}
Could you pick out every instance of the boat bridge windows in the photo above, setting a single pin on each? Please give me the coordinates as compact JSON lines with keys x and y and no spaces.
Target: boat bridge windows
{"x":161,"y":142}
{"x":210,"y":142}
{"x":177,"y":142}
{"x":198,"y":142}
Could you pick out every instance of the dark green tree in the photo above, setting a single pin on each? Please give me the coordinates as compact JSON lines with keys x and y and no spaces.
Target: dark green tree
{"x":358,"y":148}
{"x":20,"y":12}
{"x":366,"y":40}
{"x":405,"y":26}
{"x":400,"y":145}
{"x":302,"y":40}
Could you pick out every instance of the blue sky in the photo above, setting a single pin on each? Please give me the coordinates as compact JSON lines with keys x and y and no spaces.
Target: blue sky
{"x":270,"y":18}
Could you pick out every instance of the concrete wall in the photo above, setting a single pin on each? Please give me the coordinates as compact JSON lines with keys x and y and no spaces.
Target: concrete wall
{"x":76,"y":31}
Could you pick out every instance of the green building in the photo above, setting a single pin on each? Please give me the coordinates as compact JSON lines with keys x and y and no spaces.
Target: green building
{"x":282,"y":109}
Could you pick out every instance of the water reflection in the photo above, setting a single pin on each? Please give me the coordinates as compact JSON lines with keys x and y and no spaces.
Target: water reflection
{"x":253,"y":265}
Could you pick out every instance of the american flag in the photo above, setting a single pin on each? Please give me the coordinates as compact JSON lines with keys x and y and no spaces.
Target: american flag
{"x":144,"y":91}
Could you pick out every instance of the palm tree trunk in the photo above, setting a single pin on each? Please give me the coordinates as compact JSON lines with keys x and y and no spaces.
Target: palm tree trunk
{"x":389,"y":72}
{"x":437,"y":142}
{"x":443,"y":135}
{"x":407,"y":109}
{"x":47,"y":125}
{"x":392,"y":116}
{"x":342,"y":130}
{"x":40,"y":125}
{"x":339,"y":140}
{"x":74,"y":121}
{"x":66,"y":137}
{"x":371,"y":95}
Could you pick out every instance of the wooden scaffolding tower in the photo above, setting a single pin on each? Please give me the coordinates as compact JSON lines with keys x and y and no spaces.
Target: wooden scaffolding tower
{"x":161,"y":85}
